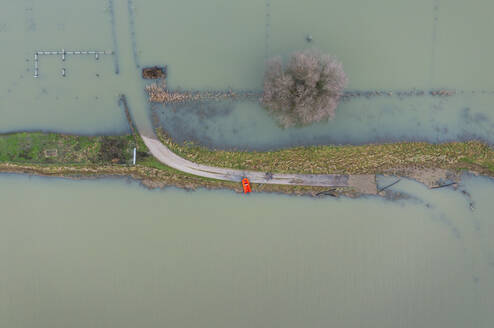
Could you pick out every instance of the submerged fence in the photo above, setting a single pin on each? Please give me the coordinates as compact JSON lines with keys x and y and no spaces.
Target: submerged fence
{"x":63,"y":53}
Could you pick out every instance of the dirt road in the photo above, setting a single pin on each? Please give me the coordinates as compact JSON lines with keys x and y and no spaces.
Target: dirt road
{"x":167,"y":157}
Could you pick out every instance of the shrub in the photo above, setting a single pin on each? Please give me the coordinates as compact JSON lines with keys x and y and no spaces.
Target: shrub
{"x":307,"y":90}
{"x":112,"y":149}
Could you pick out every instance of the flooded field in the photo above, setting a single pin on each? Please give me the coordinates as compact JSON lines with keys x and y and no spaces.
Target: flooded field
{"x":82,"y":101}
{"x":223,"y":44}
{"x":106,"y":253}
{"x":246,"y":125}
{"x":110,"y":253}
{"x":422,"y":53}
{"x":85,"y":100}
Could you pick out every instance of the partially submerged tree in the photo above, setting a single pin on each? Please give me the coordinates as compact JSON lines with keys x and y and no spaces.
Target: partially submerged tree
{"x":307,"y":90}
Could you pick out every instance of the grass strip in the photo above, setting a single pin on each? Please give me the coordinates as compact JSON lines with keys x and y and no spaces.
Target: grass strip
{"x":56,"y":154}
{"x":347,"y":159}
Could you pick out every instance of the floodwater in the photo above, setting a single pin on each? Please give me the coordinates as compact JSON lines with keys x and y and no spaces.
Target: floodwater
{"x":220,"y":44}
{"x":106,"y":253}
{"x":229,"y":125}
{"x":385,"y":45}
{"x":85,"y":101}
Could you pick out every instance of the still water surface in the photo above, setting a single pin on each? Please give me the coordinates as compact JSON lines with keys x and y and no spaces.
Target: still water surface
{"x":108,"y":253}
{"x":219,"y":44}
{"x":359,"y":121}
{"x":384,"y":45}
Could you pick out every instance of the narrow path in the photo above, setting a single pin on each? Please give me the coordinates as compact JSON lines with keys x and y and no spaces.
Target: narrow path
{"x":167,"y":157}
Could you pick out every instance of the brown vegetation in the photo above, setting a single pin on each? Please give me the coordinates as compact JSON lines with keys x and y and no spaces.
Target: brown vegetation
{"x":307,"y":90}
{"x":473,"y":156}
{"x":154,"y":72}
{"x":158,"y":93}
{"x":159,"y":177}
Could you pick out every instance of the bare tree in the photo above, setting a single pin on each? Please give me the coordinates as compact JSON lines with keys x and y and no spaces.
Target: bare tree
{"x":307,"y":90}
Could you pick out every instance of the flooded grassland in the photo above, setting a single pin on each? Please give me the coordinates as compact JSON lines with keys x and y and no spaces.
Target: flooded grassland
{"x":107,"y":252}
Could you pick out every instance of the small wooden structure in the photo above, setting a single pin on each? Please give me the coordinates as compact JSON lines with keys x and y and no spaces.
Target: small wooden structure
{"x":154,"y":73}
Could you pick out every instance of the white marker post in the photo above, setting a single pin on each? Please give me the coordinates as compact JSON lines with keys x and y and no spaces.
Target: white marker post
{"x":134,"y":161}
{"x":36,"y":64}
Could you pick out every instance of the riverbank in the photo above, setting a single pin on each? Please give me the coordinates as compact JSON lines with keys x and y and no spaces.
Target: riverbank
{"x":157,"y":177}
{"x":51,"y":154}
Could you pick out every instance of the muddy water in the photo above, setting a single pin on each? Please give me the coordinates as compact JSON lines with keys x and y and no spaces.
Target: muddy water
{"x":82,"y":101}
{"x":86,"y":99}
{"x":384,"y":45}
{"x":222,"y":44}
{"x":359,"y":121}
{"x":106,"y":253}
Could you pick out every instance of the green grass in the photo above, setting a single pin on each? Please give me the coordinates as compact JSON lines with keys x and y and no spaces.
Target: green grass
{"x":53,"y":148}
{"x":32,"y":148}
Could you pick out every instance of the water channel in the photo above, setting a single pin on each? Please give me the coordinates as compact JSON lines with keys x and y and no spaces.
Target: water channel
{"x":108,"y":252}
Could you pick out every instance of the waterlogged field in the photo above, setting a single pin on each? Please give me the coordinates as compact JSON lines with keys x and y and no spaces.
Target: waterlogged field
{"x":223,"y":44}
{"x":109,"y":253}
{"x":106,"y":253}
{"x":384,"y":45}
{"x":85,"y":100}
{"x":246,"y":126}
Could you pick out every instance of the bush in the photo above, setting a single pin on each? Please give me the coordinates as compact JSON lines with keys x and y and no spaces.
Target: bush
{"x":307,"y":90}
{"x":112,"y":149}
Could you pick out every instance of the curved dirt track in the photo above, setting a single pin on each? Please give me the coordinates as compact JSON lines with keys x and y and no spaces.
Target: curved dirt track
{"x":167,"y":157}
